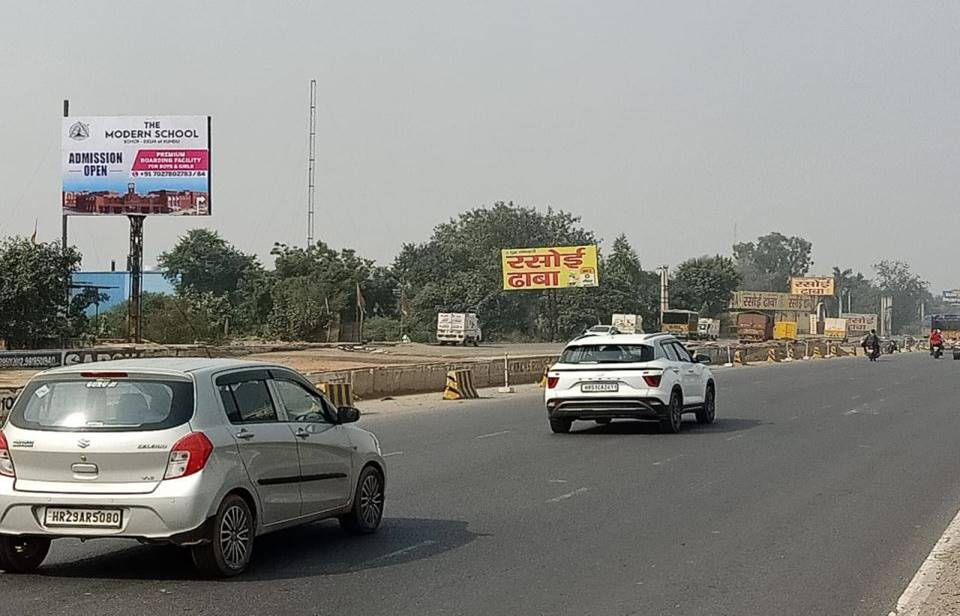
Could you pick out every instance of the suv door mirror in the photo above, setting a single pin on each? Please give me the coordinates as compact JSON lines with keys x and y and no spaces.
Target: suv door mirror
{"x":347,"y":414}
{"x":700,"y":358}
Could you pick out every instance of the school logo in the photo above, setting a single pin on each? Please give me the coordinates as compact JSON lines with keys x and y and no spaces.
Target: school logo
{"x":79,"y":131}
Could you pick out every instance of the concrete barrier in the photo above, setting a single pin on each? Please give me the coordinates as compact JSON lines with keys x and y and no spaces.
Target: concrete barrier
{"x":340,"y":394}
{"x":459,"y":386}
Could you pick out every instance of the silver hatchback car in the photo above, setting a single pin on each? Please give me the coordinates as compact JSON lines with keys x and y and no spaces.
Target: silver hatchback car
{"x":206,"y":453}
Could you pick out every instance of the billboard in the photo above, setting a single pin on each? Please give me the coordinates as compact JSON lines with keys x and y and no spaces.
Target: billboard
{"x":549,"y":268}
{"x":124,"y":165}
{"x":860,"y":323}
{"x":813,"y":285}
{"x":951,"y":296}
{"x":766,"y":300}
{"x":835,"y":328}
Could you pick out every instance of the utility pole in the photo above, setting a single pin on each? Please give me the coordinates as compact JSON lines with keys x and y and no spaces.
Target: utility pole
{"x":311,"y":180}
{"x":664,"y":291}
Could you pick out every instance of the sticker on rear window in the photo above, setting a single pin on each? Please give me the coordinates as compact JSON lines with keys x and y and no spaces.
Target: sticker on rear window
{"x":42,"y":391}
{"x":101,"y":384}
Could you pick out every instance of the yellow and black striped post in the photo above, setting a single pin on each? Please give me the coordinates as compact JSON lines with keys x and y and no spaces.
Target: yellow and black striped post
{"x":772,"y":356}
{"x":339,"y":394}
{"x":817,"y":353}
{"x":738,"y":358}
{"x":791,"y":352}
{"x":543,"y":378}
{"x":460,"y":385}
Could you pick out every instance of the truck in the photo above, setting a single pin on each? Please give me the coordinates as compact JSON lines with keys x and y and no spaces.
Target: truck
{"x":458,"y":328}
{"x":627,"y":323}
{"x":681,"y":323}
{"x":754,"y":327}
{"x":708,"y":329}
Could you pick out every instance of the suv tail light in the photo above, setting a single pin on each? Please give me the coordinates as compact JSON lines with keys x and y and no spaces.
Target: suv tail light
{"x":189,"y":455}
{"x":652,"y":380}
{"x":552,"y":381}
{"x":6,"y":462}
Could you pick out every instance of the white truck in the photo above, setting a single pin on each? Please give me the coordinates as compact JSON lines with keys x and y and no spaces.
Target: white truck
{"x":458,"y":328}
{"x":627,"y":323}
{"x":708,"y":329}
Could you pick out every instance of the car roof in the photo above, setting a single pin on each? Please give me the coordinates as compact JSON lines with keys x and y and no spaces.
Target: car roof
{"x":165,"y":365}
{"x":622,"y":339}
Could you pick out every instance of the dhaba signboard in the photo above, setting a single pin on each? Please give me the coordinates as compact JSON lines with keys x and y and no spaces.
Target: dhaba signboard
{"x":556,"y":267}
{"x":780,"y":302}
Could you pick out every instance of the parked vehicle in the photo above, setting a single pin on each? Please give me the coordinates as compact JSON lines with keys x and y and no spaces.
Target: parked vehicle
{"x":627,"y":323}
{"x":205,"y":453}
{"x":754,"y":327}
{"x":649,"y":376}
{"x":708,"y":329}
{"x":684,"y":324}
{"x":458,"y":328}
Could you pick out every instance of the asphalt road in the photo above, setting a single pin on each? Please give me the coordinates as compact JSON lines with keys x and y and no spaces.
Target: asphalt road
{"x":819,"y":490}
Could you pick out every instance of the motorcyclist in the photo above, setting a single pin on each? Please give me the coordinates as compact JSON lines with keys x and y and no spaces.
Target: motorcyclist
{"x":936,"y":340}
{"x":871,"y":344}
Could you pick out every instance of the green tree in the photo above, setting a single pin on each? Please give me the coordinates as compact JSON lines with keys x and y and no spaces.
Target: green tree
{"x":768,"y":263}
{"x":626,"y":287}
{"x":33,"y":281}
{"x":704,"y":284}
{"x":184,"y":318}
{"x":203,"y":262}
{"x":894,"y":278}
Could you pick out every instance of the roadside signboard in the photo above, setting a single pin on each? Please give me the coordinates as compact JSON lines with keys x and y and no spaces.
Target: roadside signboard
{"x":835,"y":328}
{"x":129,"y":165}
{"x":53,"y":358}
{"x":951,"y":296}
{"x":7,"y":398}
{"x":549,"y":268}
{"x":764,"y":300}
{"x":812,"y":285}
{"x":859,"y":324}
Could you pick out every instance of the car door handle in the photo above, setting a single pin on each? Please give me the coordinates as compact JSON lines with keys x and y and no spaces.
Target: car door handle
{"x":301,"y":433}
{"x":244,"y":434}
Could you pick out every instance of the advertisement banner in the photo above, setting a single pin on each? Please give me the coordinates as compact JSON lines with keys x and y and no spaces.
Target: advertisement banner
{"x":764,"y":300}
{"x":549,"y":268}
{"x":812,"y":285}
{"x":152,"y":165}
{"x":861,"y":323}
{"x":951,"y":296}
{"x":835,"y":328}
{"x":26,"y":360}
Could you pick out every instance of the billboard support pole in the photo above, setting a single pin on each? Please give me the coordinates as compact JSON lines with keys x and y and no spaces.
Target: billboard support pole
{"x":63,"y":237}
{"x":135,"y":267}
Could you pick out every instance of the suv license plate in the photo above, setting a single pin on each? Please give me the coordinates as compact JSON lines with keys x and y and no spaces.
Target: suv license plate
{"x":82,"y":518}
{"x":599,"y":387}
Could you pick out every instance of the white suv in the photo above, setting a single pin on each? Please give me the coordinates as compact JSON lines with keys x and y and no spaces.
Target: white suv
{"x":647,"y":376}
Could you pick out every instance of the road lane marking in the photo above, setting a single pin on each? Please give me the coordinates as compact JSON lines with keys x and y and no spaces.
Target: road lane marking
{"x":493,"y":434}
{"x":923,"y":583}
{"x":558,"y":481}
{"x":659,"y":462}
{"x":392,"y":453}
{"x":401,"y":552}
{"x":557,"y":499}
{"x":851,"y":412}
{"x":735,"y":436}
{"x":855,"y":397}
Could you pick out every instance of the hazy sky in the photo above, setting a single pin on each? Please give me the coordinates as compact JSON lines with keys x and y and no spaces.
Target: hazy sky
{"x":675,"y":122}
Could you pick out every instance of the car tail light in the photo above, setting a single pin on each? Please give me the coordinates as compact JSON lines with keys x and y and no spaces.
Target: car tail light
{"x":189,"y":455}
{"x":552,"y":381}
{"x":104,"y":375}
{"x":6,"y":462}
{"x":652,"y":380}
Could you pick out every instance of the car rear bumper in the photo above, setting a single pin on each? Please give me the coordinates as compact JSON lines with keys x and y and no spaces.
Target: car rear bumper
{"x":605,"y":408}
{"x":173,"y":512}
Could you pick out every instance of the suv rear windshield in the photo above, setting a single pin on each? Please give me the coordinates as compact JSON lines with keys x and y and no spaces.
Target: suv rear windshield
{"x":103,"y":405}
{"x":607,"y":354}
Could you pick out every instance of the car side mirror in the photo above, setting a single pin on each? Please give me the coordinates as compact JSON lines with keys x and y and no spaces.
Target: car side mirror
{"x":700,"y":358}
{"x":347,"y":414}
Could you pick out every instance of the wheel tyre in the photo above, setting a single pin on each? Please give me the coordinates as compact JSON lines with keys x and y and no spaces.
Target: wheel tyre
{"x":22,"y":554}
{"x":367,"y":511}
{"x":671,"y":420}
{"x":561,"y":426}
{"x":603,"y":421}
{"x":707,"y":414}
{"x":231,"y":541}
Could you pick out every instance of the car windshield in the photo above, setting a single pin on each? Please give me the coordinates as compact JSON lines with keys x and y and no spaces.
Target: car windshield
{"x":103,"y":405}
{"x":607,"y":354}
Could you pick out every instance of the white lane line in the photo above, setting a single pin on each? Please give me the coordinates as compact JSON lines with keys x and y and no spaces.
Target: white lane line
{"x":856,"y":397}
{"x":794,"y":417}
{"x":403,"y":551}
{"x":393,"y":453}
{"x":851,"y":412}
{"x":493,"y":434}
{"x":918,"y":590}
{"x":557,"y":499}
{"x":665,"y":460}
{"x":735,"y":437}
{"x":558,"y":481}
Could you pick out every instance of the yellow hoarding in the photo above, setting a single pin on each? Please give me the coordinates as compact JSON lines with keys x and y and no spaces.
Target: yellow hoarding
{"x":785,"y":330}
{"x":812,"y":285}
{"x":549,"y":268}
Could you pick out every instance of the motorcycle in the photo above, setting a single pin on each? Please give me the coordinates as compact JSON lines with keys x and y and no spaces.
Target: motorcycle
{"x":936,"y":350}
{"x":873,"y":352}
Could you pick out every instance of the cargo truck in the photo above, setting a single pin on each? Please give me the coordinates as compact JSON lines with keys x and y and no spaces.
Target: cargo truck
{"x":458,"y":328}
{"x":627,"y":323}
{"x":754,"y":327}
{"x":681,"y":323}
{"x":709,"y":329}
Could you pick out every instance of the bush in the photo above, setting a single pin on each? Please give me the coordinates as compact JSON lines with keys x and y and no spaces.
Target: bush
{"x":383,"y":329}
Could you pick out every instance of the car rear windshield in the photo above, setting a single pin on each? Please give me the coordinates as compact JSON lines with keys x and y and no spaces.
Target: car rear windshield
{"x":103,"y":405}
{"x":607,"y":354}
